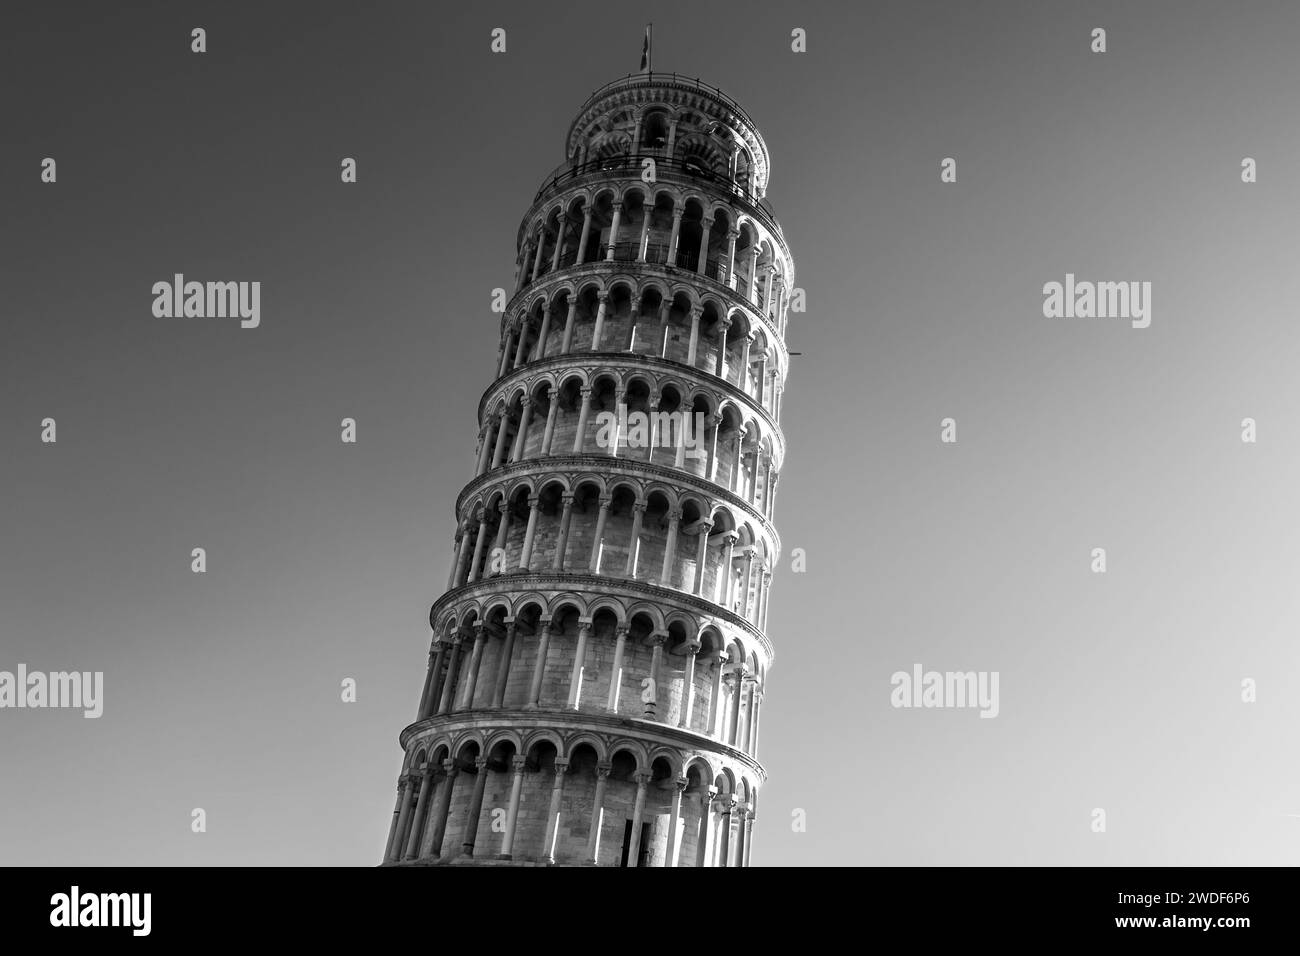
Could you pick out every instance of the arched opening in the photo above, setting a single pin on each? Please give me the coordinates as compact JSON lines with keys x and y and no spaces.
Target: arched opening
{"x":654,"y":131}
{"x":690,"y":235}
{"x":617,"y":548}
{"x":649,"y":547}
{"x":550,"y":512}
{"x":578,"y":817}
{"x":659,"y":238}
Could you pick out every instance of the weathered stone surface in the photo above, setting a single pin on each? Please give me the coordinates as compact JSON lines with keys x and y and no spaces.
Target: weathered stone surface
{"x":640,"y":571}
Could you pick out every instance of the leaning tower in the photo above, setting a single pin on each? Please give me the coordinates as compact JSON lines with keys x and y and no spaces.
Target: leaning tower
{"x":599,"y":658}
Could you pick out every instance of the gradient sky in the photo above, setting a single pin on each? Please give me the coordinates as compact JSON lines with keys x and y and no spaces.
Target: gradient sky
{"x":1118,"y":691}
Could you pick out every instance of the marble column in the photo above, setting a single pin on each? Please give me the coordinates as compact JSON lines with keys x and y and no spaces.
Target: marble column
{"x":674,"y":822}
{"x":616,"y":672}
{"x":579,"y":663}
{"x":553,"y":813}
{"x":688,"y":686}
{"x":503,"y":666}
{"x":421,"y":811}
{"x":539,"y":669}
{"x":444,"y":803}
{"x":475,"y":809}
{"x":597,"y":813}
{"x":512,"y":814}
{"x":638,"y":811}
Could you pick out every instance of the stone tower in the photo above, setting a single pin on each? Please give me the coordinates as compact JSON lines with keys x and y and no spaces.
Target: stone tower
{"x":599,"y":657}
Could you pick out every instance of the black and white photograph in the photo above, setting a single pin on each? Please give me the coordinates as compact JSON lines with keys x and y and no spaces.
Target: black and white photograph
{"x":445,"y":438}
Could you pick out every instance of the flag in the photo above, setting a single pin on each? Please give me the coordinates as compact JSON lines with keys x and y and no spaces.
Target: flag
{"x":645,"y":51}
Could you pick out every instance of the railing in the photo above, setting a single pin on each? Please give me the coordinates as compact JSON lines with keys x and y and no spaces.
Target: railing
{"x":656,"y":253}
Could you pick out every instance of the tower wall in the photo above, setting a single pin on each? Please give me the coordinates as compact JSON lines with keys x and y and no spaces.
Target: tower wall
{"x":599,"y":657}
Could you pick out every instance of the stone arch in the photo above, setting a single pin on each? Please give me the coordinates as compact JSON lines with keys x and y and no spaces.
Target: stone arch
{"x":634,"y":749}
{"x":586,"y":739}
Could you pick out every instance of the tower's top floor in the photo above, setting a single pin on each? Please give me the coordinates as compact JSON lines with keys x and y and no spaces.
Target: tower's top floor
{"x":676,"y":118}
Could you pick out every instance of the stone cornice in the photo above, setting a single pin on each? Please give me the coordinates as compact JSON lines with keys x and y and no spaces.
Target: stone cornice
{"x":579,"y":720}
{"x":587,"y":583}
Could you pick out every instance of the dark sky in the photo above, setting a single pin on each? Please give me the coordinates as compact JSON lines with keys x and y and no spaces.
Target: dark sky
{"x":222,"y":690}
